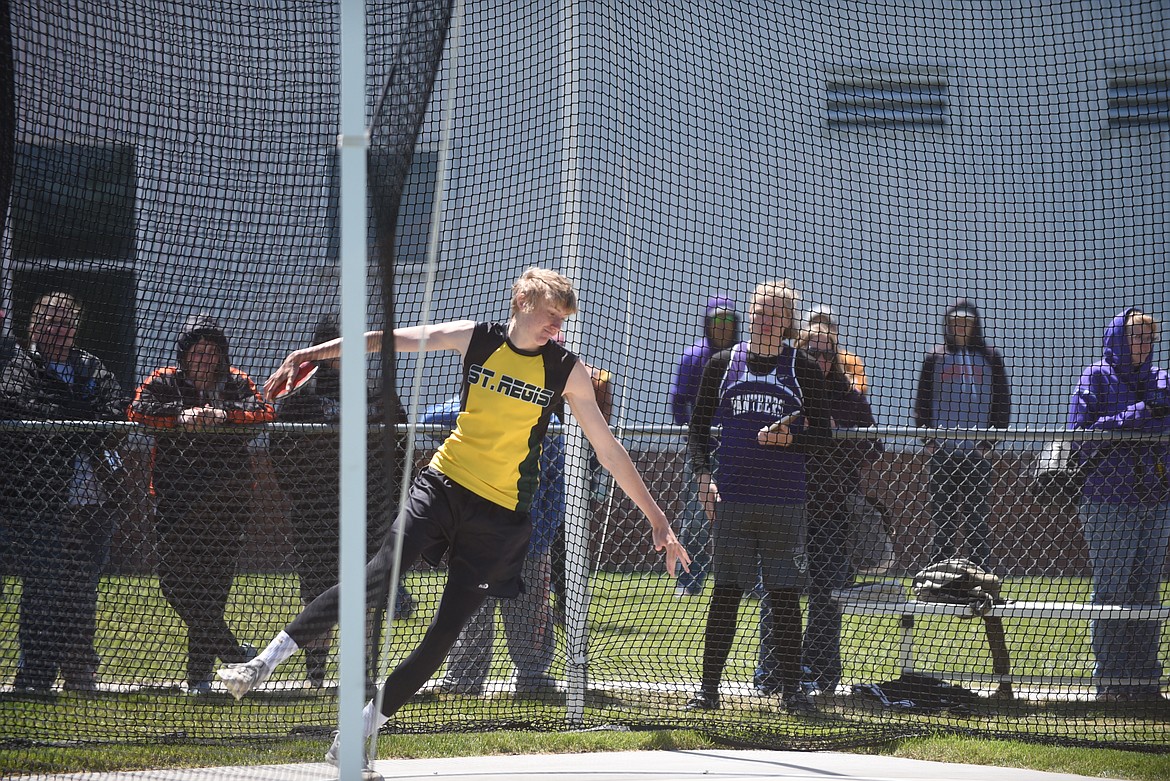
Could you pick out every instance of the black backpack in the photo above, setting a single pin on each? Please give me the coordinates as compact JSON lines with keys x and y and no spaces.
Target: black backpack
{"x":919,"y":693}
{"x":963,"y":582}
{"x":960,"y":582}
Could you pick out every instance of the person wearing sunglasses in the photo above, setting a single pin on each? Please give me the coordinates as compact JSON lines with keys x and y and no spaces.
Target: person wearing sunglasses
{"x":834,"y":474}
{"x":851,"y":364}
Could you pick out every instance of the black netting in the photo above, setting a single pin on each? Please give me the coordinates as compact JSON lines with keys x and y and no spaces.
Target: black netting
{"x":163,"y":161}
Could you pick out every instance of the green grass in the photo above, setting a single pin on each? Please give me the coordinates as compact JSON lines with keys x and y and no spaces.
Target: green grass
{"x":638,"y":632}
{"x":634,"y":621}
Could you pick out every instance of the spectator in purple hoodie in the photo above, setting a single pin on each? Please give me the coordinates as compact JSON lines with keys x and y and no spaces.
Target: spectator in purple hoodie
{"x":720,"y":331}
{"x":1125,"y":506}
{"x":963,"y":384}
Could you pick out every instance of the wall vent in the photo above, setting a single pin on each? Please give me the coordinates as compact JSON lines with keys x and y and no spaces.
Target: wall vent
{"x":1139,"y":94}
{"x":907,"y":95}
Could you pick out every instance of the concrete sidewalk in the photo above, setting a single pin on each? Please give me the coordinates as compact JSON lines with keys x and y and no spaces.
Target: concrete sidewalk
{"x":711,"y":765}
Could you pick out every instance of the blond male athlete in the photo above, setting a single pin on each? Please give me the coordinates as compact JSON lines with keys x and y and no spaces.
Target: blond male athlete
{"x":472,"y":500}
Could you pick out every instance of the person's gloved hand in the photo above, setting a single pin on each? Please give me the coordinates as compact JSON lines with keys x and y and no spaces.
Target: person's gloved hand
{"x":1158,"y":402}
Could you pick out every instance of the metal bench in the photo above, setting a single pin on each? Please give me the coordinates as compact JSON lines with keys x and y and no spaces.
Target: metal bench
{"x":882,"y":602}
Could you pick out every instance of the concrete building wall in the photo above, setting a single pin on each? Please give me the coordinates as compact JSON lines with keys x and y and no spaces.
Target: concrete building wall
{"x":703,"y":159}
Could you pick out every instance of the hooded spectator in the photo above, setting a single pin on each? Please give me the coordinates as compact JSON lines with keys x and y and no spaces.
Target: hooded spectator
{"x":201,"y":411}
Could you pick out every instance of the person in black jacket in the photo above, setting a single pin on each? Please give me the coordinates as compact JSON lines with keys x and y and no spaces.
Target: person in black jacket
{"x":8,"y":344}
{"x":8,"y":350}
{"x":61,"y":508}
{"x":963,"y":384}
{"x":834,"y":474}
{"x":307,"y":466}
{"x":202,"y":478}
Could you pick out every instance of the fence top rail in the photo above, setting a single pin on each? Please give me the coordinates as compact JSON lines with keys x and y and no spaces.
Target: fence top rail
{"x":1022,"y":434}
{"x":125,"y":426}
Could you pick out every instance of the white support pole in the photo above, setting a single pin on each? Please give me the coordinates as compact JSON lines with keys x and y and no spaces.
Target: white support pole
{"x":576,"y":598}
{"x":352,"y":145}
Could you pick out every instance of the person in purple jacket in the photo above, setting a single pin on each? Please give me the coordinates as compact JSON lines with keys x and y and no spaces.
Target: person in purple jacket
{"x":720,"y":331}
{"x":963,"y":384}
{"x":1125,"y":505}
{"x":769,"y":398}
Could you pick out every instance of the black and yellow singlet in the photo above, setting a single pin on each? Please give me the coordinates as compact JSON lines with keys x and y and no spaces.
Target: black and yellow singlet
{"x":507,"y":398}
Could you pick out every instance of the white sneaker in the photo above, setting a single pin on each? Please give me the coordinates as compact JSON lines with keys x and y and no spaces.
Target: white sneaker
{"x":334,"y":749}
{"x":332,"y":757}
{"x":239,"y":679}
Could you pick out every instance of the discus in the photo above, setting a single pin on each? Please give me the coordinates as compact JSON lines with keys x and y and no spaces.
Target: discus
{"x":299,"y":379}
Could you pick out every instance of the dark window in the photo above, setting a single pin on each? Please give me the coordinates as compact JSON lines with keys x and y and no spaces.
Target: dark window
{"x":413,"y":225}
{"x":73,"y":201}
{"x":107,"y":297}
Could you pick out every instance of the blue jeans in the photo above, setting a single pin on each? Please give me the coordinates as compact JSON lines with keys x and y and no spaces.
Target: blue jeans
{"x":694,"y":533}
{"x":960,"y":482}
{"x":1127,"y":550}
{"x":829,"y":567}
{"x":528,"y":629}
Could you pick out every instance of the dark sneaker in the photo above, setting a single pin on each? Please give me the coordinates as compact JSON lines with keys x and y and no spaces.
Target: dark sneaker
{"x":316,"y":660}
{"x":1147,"y":695}
{"x":403,"y":604}
{"x":28,"y":684}
{"x":452,"y":686}
{"x":536,"y":686}
{"x":703,"y":701}
{"x":800,"y":704}
{"x":768,"y":688}
{"x":1137,"y":694}
{"x":199,"y":688}
{"x":32,"y":688}
{"x":84,"y":684}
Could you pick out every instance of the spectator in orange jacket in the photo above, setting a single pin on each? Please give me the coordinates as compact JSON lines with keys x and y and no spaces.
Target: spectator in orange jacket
{"x":202,"y":478}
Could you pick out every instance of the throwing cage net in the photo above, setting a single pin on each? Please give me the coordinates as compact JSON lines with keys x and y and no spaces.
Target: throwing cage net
{"x":165,"y":161}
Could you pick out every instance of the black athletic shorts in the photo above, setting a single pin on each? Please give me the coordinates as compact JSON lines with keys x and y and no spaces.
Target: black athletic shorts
{"x":753,"y":541}
{"x":484,"y":542}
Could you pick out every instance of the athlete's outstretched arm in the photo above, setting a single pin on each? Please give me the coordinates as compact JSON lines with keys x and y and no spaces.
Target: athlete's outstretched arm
{"x":453,"y":335}
{"x":613,"y":456}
